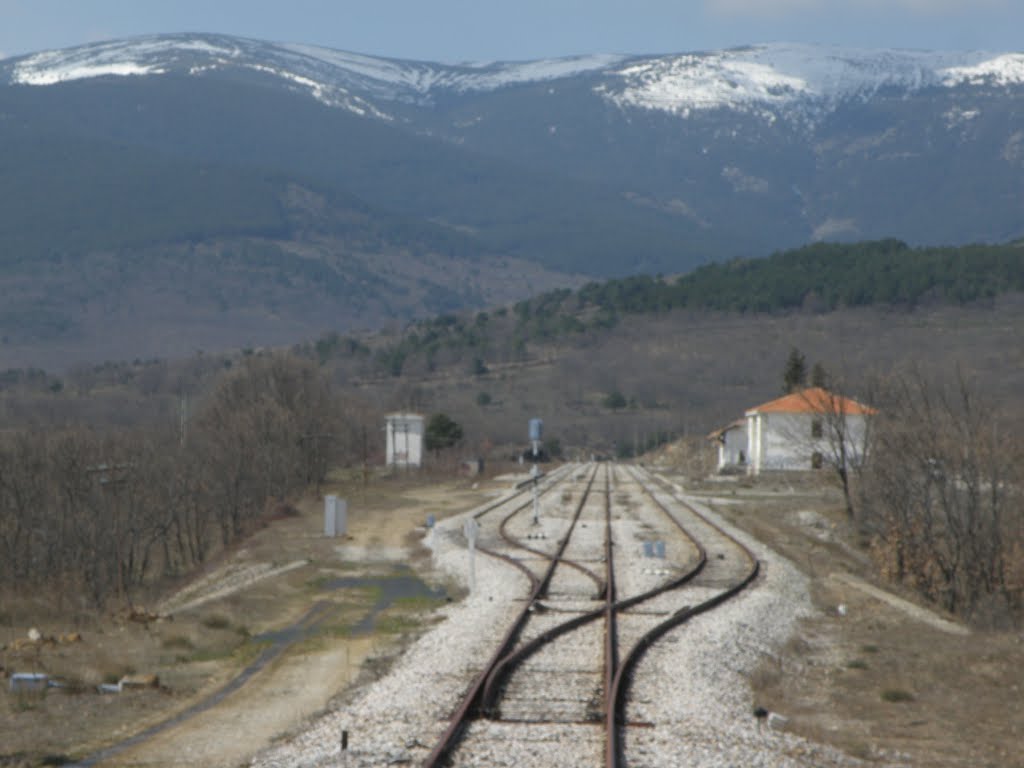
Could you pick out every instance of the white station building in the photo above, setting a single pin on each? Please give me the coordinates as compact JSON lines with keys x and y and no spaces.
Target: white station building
{"x":795,"y":432}
{"x":404,"y":444}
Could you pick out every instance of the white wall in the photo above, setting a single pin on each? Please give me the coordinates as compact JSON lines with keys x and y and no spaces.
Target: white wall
{"x":404,"y":440}
{"x":784,"y":441}
{"x":732,"y":447}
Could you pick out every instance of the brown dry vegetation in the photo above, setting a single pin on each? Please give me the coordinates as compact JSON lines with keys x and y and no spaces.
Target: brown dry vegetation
{"x":92,"y":517}
{"x":872,"y":679}
{"x":197,"y":650}
{"x":685,"y":372}
{"x":689,"y":373}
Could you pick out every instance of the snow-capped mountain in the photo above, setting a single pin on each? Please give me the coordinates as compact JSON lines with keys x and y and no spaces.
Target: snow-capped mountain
{"x":750,"y":78}
{"x":216,"y":175}
{"x":336,"y":78}
{"x":603,"y":164}
{"x":768,"y":76}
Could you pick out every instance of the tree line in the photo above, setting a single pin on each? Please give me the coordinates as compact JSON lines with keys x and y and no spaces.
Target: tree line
{"x":820,"y":278}
{"x":93,"y":516}
{"x":824,"y":277}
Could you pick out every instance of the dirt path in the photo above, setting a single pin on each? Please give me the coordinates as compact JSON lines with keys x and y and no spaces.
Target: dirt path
{"x":912,"y":610}
{"x":298,"y":682}
{"x":273,"y":703}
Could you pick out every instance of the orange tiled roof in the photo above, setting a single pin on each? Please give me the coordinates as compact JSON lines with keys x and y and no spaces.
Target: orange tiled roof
{"x":814,"y":400}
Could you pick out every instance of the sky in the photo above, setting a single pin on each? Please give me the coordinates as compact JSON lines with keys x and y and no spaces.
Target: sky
{"x":485,"y":30}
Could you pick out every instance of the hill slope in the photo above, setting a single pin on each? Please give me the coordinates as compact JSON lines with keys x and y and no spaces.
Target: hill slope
{"x":525,"y":173}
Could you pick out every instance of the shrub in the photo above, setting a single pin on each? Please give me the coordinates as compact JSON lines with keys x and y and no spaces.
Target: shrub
{"x":897,"y":695}
{"x":216,"y":622}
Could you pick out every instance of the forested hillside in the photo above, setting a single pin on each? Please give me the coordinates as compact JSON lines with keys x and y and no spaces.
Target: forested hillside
{"x":657,"y":355}
{"x":818,"y":278}
{"x":823,"y":277}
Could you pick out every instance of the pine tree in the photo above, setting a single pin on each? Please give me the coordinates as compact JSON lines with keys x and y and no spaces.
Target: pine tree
{"x":819,"y":376}
{"x":442,"y":432}
{"x":795,"y":375}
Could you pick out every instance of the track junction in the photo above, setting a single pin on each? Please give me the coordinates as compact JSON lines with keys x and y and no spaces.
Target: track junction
{"x":577,"y":646}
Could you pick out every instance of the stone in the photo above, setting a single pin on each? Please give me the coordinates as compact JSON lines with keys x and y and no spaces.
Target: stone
{"x":139,"y":681}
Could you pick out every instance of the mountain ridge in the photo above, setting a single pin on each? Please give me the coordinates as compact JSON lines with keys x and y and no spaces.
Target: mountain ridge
{"x":575,"y":168}
{"x":768,"y":74}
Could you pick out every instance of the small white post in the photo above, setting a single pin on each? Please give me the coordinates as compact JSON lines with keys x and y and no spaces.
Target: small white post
{"x":330,"y":516}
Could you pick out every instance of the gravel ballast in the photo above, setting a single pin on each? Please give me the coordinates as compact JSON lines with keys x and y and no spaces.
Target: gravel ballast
{"x":690,"y":690}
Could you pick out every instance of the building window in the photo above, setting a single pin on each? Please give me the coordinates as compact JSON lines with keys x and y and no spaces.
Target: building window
{"x":817,"y":460}
{"x":816,"y":428}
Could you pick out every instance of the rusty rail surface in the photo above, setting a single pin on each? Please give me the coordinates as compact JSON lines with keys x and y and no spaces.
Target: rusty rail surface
{"x":471,"y":701}
{"x":623,"y":678}
{"x":483,"y":695}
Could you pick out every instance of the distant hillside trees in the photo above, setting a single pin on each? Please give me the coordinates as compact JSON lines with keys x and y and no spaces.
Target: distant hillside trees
{"x":825,"y":276}
{"x":817,"y":278}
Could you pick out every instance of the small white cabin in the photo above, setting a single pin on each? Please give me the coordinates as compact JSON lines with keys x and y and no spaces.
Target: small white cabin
{"x":404,"y":440}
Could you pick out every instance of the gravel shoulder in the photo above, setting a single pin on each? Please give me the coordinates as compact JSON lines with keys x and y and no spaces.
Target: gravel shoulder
{"x":694,"y":687}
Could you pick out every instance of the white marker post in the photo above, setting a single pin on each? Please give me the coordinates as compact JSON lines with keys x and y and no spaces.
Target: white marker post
{"x":330,"y":516}
{"x":471,"y":529}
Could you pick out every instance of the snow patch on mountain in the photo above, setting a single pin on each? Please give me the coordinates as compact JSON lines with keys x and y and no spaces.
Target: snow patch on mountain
{"x":423,"y":78}
{"x":788,"y":81}
{"x":1004,"y":70}
{"x":336,"y":78}
{"x":814,"y":78}
{"x":145,"y":56}
{"x":67,"y":72}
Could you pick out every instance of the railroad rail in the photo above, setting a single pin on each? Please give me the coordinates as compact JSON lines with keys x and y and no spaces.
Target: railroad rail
{"x":470,"y":702}
{"x":485,"y":693}
{"x":620,"y":685}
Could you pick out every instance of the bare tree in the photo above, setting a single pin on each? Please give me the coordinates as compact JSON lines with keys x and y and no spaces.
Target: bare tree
{"x":99,"y":516}
{"x":833,"y":432}
{"x":846,"y":432}
{"x":942,"y":496}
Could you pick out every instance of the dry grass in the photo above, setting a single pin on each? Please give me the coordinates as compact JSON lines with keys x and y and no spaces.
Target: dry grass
{"x":199,"y":650}
{"x":875,"y":682}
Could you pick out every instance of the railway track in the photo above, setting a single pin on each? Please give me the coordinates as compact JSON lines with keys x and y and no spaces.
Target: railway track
{"x":559,"y":674}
